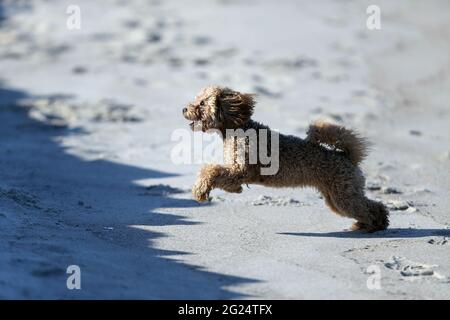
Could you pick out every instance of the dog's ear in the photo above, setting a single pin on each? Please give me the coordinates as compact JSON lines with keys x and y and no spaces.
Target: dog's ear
{"x":236,"y":107}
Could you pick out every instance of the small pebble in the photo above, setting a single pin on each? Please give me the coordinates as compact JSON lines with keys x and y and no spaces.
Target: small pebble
{"x":79,"y":70}
{"x":398,"y":205}
{"x":154,"y":37}
{"x":415,"y":132}
{"x":390,"y":190}
{"x":373,"y":186}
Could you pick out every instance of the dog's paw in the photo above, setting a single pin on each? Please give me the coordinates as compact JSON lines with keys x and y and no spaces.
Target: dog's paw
{"x":233,"y":189}
{"x":201,"y":197}
{"x":359,"y":226}
{"x":200,"y":192}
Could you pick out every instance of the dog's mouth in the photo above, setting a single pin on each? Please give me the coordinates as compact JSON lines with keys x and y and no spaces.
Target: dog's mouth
{"x":192,"y":123}
{"x":196,"y":125}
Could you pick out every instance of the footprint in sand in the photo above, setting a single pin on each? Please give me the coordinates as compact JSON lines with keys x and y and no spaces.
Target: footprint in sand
{"x":439,"y":241}
{"x":263,"y":200}
{"x":163,"y":190}
{"x":401,"y":205}
{"x":412,"y":270}
{"x":20,"y":197}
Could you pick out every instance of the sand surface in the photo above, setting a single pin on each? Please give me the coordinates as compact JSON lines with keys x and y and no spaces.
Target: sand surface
{"x":87,"y":179}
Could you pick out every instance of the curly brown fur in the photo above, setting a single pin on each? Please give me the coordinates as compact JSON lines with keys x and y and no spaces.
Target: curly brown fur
{"x":333,"y":170}
{"x":339,"y":138}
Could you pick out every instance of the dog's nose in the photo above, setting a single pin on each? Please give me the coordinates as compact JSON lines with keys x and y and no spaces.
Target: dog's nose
{"x":184,"y":110}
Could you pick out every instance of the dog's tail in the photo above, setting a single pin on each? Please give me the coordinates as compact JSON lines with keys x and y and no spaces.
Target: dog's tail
{"x":338,"y":137}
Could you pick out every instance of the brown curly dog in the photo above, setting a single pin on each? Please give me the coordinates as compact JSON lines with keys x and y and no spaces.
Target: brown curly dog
{"x":327,"y":159}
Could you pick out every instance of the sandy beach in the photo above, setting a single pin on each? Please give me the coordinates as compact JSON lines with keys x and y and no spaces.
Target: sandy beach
{"x":86,"y":173}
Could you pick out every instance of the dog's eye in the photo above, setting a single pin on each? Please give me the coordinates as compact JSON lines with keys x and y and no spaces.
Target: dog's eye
{"x":202,"y":103}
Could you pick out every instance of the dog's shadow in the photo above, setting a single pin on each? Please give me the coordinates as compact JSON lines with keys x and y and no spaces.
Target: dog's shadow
{"x":389,"y":233}
{"x":64,"y":210}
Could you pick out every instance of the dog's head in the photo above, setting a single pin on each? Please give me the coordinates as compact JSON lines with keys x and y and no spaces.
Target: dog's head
{"x":219,"y":108}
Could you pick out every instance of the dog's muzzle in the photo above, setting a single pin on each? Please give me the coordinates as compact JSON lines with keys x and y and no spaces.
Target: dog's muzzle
{"x":186,"y":116}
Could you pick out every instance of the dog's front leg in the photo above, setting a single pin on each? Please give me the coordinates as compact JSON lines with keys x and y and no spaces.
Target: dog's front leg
{"x":227,"y":178}
{"x":203,"y":185}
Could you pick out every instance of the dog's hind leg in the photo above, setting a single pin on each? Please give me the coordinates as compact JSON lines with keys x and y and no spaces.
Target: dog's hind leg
{"x":370,"y":215}
{"x":329,"y":202}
